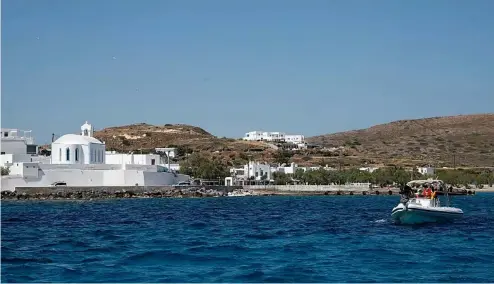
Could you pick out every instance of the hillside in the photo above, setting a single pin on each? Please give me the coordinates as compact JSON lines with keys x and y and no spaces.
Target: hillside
{"x":146,"y":137}
{"x":465,"y":140}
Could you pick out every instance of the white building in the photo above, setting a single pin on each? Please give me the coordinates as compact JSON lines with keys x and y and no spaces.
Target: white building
{"x":426,"y":170}
{"x":368,"y":169}
{"x":112,"y":157}
{"x":273,"y":136}
{"x":78,"y":149}
{"x":255,"y":170}
{"x":287,"y":169}
{"x":16,"y":141}
{"x":169,"y":152}
{"x":17,"y":146}
{"x":80,"y":160}
{"x":295,"y":139}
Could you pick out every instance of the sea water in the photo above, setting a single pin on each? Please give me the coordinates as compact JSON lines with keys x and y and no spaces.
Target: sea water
{"x":242,"y":239}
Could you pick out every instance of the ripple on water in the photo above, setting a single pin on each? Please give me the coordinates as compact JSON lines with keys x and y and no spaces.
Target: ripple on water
{"x":256,"y":239}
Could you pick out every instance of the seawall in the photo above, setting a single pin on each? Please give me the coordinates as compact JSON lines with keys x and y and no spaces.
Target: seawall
{"x":108,"y":192}
{"x":316,"y":188}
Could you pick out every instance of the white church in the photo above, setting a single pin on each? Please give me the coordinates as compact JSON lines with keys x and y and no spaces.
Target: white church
{"x":78,"y":160}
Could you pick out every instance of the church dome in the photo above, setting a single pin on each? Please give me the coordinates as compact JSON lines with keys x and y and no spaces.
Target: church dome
{"x":74,"y":139}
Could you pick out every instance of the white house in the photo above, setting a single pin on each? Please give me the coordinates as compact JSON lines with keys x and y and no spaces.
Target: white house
{"x":253,"y":169}
{"x":80,"y":160}
{"x":426,"y":170}
{"x":295,"y":139}
{"x":289,"y":169}
{"x":17,"y":146}
{"x":273,"y":136}
{"x":16,"y":141}
{"x":169,"y":152}
{"x":368,"y":169}
{"x":112,"y":157}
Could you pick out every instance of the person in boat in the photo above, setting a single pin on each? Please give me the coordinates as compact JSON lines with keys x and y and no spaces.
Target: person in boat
{"x":434,"y":193}
{"x":428,"y":192}
{"x":406,"y":193}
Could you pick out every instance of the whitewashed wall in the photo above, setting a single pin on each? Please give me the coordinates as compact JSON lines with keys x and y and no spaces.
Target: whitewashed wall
{"x":114,"y":178}
{"x":91,"y":153}
{"x":151,"y":178}
{"x":78,"y":177}
{"x":26,"y":170}
{"x":14,"y":158}
{"x":294,"y":138}
{"x":14,"y":146}
{"x":138,"y":159}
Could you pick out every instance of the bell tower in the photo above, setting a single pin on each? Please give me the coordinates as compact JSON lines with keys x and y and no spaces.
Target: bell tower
{"x":87,"y":130}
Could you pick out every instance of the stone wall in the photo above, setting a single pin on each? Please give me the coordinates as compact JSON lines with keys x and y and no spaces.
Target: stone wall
{"x":91,"y":192}
{"x":316,"y":188}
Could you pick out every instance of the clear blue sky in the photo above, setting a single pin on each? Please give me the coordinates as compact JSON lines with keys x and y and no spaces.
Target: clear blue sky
{"x":310,"y":67}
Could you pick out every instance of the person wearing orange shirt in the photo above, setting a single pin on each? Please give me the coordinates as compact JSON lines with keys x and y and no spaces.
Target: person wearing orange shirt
{"x":428,"y":192}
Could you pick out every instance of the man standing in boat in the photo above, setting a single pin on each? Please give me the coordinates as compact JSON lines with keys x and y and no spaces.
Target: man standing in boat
{"x":428,"y":192}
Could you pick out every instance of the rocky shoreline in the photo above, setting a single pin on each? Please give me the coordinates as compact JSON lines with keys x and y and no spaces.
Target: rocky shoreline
{"x":201,"y":192}
{"x":91,"y":193}
{"x":112,"y":194}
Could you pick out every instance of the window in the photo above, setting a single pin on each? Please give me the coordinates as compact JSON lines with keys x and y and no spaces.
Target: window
{"x":85,"y":132}
{"x":31,"y":149}
{"x":67,"y":154}
{"x":153,"y":162}
{"x":60,"y":154}
{"x":5,"y":134}
{"x":92,"y":155}
{"x":77,"y":154}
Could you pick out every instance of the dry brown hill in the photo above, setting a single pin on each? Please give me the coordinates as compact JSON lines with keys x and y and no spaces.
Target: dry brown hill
{"x":464,"y":140}
{"x":194,"y":139}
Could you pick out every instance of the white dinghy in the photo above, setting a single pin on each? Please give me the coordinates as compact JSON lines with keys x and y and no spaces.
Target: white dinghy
{"x":415,"y":209}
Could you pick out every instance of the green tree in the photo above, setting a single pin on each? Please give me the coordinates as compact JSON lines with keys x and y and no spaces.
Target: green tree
{"x":281,"y":178}
{"x":282,"y":156}
{"x":486,"y":177}
{"x":5,"y":171}
{"x":202,"y":166}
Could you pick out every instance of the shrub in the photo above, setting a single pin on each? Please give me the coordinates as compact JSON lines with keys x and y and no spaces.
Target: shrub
{"x":5,"y":171}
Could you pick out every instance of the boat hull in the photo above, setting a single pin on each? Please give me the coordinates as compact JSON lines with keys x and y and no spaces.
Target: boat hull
{"x":417,"y":214}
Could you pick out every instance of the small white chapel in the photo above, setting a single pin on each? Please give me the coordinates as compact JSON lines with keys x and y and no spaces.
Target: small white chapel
{"x":78,"y":149}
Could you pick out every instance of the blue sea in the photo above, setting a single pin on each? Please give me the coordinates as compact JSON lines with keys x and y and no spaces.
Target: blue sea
{"x":242,"y":239}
